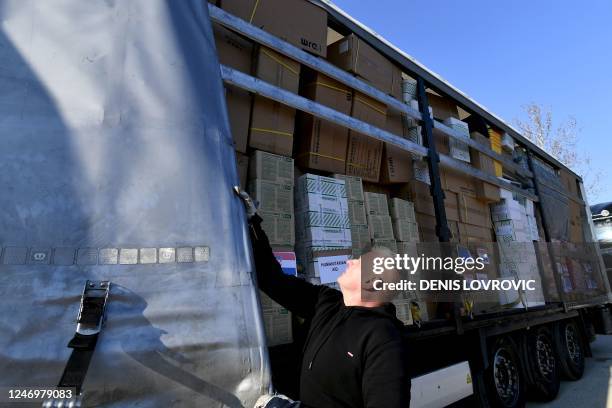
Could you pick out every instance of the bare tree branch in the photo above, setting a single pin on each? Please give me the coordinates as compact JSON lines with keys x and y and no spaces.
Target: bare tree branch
{"x":562,"y":142}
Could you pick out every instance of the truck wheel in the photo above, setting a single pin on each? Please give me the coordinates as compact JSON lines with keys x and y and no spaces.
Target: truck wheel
{"x":504,"y":378}
{"x":568,"y":343}
{"x":542,"y":362}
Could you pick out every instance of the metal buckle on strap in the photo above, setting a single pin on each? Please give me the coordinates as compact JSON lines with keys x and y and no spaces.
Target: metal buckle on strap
{"x":93,"y":305}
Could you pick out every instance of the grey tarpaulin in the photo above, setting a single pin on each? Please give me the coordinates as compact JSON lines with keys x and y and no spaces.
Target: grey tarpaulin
{"x":554,"y":204}
{"x":116,"y":163}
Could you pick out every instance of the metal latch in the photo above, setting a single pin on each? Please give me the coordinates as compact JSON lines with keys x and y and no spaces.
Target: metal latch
{"x":92,"y":309}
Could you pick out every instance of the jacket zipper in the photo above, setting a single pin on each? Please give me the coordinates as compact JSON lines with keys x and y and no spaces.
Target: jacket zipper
{"x":345,"y":315}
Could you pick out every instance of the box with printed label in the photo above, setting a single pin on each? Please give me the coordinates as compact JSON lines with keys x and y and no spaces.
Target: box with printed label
{"x":380,"y":227}
{"x":386,"y":243}
{"x":353,"y":54}
{"x":298,"y":22}
{"x":353,"y":185}
{"x":279,"y":227}
{"x":357,"y":212}
{"x":376,"y":204}
{"x":323,"y":236}
{"x":306,"y":201}
{"x":360,"y":238}
{"x":271,"y":167}
{"x":322,"y":144}
{"x":401,"y":209}
{"x":309,"y":219}
{"x":272,"y":197}
{"x":405,"y":231}
{"x":328,"y":186}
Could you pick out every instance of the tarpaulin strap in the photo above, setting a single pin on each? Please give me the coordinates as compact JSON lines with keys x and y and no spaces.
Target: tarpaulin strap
{"x":276,"y":132}
{"x":321,"y":155}
{"x":89,"y":325}
{"x":280,"y":62}
{"x":253,"y":12}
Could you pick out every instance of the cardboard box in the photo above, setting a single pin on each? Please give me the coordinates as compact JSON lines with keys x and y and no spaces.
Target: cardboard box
{"x":369,"y":110}
{"x":496,"y":145}
{"x":360,"y":238}
{"x":451,"y":205}
{"x":401,"y":209}
{"x":387,"y":243}
{"x":322,"y":144}
{"x":457,"y":182}
{"x":242,"y":163}
{"x":396,"y":82}
{"x":233,"y":50}
{"x":353,"y":185}
{"x":323,"y":236}
{"x":277,"y":70}
{"x":363,"y":157}
{"x":357,"y":212}
{"x":272,"y":197}
{"x":376,"y":204}
{"x":396,"y":165}
{"x":473,"y":211}
{"x":271,"y":167}
{"x":272,"y":126}
{"x":308,"y":219}
{"x":473,"y":234}
{"x":236,"y":52}
{"x":420,"y":170}
{"x":420,"y":196}
{"x":277,"y":322}
{"x":308,"y":201}
{"x":279,"y":227}
{"x":485,"y":191}
{"x":355,"y":55}
{"x":272,"y":123}
{"x":405,"y":231}
{"x":427,"y":227}
{"x":328,"y":186}
{"x":380,"y":227}
{"x":398,"y":124}
{"x":325,"y":264}
{"x":442,"y":107}
{"x":296,"y":21}
{"x":403,"y":311}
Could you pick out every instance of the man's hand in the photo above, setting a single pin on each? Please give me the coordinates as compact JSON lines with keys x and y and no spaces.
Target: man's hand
{"x":249,"y":204}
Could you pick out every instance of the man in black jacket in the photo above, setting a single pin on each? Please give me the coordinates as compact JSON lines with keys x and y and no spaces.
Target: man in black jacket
{"x":354,"y":355}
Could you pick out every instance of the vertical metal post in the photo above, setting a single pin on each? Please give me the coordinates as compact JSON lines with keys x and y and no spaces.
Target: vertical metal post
{"x":536,"y":186}
{"x":442,"y":230}
{"x":435,"y":188}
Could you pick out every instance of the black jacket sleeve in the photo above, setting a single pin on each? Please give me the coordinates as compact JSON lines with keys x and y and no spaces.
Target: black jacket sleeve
{"x":295,"y":294}
{"x":386,"y":380}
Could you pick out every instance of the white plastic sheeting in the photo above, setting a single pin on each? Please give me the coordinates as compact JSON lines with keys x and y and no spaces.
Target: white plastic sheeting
{"x":114,"y":136}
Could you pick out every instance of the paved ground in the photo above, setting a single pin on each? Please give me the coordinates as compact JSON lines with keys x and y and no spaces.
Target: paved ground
{"x":594,"y":390}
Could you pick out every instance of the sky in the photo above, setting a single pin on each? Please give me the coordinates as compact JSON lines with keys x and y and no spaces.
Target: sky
{"x":505,"y":54}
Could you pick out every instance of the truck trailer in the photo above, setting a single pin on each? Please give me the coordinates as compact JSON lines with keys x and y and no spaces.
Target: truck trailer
{"x":126,"y":272}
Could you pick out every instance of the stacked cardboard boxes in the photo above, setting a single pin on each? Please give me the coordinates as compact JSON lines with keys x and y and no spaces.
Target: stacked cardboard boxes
{"x":296,"y":21}
{"x":236,"y":52}
{"x":403,"y":219}
{"x":360,"y":235}
{"x":379,"y":220}
{"x":272,"y":185}
{"x":322,"y":145}
{"x":515,"y":230}
{"x":273,"y":123}
{"x":323,"y":225}
{"x":364,"y":154}
{"x":458,"y":149}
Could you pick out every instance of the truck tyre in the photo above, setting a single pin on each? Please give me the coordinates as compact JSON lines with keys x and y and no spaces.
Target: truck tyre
{"x":568,"y":342}
{"x":542,"y":363}
{"x":504,"y":378}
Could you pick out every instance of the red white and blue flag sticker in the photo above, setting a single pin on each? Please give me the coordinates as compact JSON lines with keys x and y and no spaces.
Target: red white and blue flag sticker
{"x":287,"y":262}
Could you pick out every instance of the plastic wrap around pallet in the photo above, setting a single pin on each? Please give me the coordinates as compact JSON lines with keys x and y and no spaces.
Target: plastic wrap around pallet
{"x":117,"y":164}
